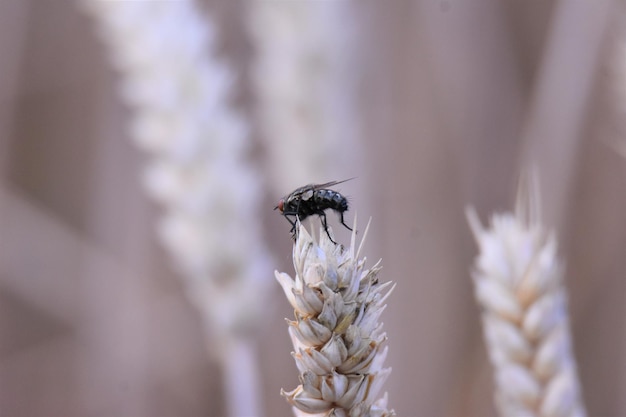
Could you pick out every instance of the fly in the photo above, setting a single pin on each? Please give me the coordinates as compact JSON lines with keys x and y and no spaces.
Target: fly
{"x":313,"y":199}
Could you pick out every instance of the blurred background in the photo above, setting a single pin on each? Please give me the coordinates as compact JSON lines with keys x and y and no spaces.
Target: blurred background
{"x":446,"y":101}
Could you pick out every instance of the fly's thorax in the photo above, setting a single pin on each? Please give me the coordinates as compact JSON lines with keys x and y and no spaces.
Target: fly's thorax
{"x":290,"y":205}
{"x":299,"y":204}
{"x":307,"y":195}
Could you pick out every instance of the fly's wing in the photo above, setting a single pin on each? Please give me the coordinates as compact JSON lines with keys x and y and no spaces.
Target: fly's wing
{"x":306,"y":189}
{"x":326,"y":184}
{"x":299,"y":191}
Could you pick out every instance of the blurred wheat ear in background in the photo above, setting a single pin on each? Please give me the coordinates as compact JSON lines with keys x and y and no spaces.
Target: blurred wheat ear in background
{"x":199,"y":172}
{"x":519,"y":285}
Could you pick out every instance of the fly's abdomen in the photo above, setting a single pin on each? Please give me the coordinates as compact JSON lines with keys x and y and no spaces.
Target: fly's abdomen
{"x":329,"y":199}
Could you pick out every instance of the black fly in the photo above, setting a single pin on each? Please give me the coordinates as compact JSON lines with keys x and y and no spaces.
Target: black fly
{"x":313,"y":199}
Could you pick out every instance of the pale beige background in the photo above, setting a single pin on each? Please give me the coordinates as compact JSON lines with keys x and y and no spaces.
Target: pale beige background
{"x":453,"y":95}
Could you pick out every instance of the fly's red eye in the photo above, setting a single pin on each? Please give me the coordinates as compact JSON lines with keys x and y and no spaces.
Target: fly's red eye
{"x":281,"y":205}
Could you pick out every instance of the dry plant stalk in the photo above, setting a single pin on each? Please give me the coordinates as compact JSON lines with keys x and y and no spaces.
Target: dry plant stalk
{"x":336,"y":334}
{"x":519,"y":284}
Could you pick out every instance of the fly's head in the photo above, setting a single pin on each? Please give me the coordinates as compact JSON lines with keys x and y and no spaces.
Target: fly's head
{"x":281,"y":205}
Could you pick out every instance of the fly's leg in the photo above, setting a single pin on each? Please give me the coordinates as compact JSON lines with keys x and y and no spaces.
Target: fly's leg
{"x":342,"y":222}
{"x":293,"y":230}
{"x":323,"y":218}
{"x":291,"y":222}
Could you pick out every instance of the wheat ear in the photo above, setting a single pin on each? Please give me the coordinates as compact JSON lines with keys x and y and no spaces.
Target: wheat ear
{"x":336,"y":335}
{"x":519,"y":285}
